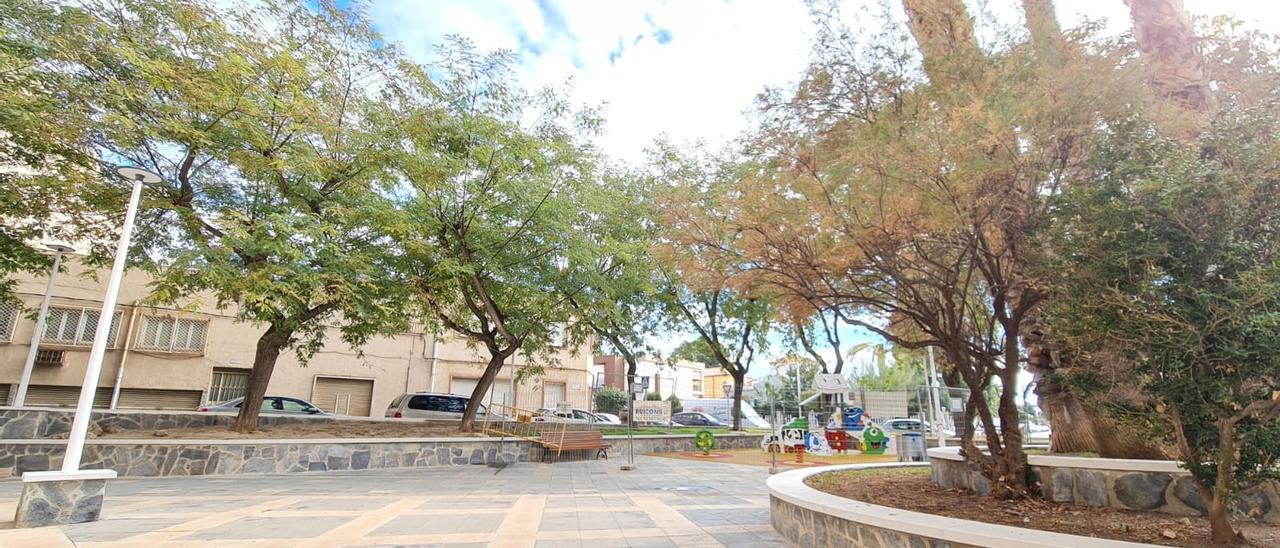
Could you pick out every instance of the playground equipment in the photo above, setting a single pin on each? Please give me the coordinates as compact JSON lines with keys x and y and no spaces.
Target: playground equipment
{"x":705,"y":441}
{"x":839,"y":428}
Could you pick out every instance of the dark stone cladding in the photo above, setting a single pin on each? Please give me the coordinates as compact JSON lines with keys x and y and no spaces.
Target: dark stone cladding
{"x":37,"y":422}
{"x":142,"y":458}
{"x":805,"y":527}
{"x":1156,"y":491}
{"x":59,"y":502}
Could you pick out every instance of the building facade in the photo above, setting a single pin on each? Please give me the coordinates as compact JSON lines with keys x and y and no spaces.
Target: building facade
{"x":185,"y":356}
{"x":718,"y":383}
{"x":682,"y":378}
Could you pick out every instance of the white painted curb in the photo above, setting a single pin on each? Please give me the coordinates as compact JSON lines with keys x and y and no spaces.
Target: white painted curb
{"x":790,"y":487}
{"x":1055,"y":461}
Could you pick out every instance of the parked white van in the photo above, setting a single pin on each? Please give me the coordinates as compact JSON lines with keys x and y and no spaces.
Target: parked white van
{"x":429,"y":405}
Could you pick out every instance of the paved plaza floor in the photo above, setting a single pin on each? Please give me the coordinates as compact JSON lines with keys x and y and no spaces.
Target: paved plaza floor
{"x":664,"y":502}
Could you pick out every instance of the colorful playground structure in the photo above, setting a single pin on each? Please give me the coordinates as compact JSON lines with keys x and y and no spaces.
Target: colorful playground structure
{"x":846,"y":429}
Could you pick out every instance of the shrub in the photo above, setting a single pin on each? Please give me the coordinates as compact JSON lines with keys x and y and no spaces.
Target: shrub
{"x":610,"y":400}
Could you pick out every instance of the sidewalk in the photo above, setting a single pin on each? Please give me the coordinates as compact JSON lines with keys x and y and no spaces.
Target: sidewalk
{"x":664,"y":502}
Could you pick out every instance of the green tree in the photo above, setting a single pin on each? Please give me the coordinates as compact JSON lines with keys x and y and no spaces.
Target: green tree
{"x":610,"y":272}
{"x":676,"y":406}
{"x":50,"y":188}
{"x":490,"y":217}
{"x":1174,"y":295}
{"x":263,"y":124}
{"x":694,"y":350}
{"x":610,"y":400}
{"x":701,"y":288}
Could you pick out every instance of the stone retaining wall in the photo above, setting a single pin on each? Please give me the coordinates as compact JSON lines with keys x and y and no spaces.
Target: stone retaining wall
{"x":1154,"y":486}
{"x":809,"y":527}
{"x":147,"y":458}
{"x":42,"y":422}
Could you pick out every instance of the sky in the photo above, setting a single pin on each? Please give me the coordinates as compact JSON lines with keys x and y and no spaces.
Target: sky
{"x":685,"y":69}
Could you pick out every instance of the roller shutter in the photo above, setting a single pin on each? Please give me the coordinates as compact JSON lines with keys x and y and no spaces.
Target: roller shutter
{"x":499,"y":390}
{"x":352,"y":397}
{"x":146,"y":398}
{"x":43,"y":395}
{"x":4,"y":392}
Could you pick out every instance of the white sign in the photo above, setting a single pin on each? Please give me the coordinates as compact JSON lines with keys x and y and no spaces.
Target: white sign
{"x":564,"y":408}
{"x":831,"y":383}
{"x":653,"y":412}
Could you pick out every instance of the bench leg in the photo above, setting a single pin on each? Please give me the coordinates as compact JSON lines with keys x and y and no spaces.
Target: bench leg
{"x":603,"y":453}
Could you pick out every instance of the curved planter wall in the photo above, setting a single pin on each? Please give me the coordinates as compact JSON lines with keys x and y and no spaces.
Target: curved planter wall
{"x":809,"y":517}
{"x":1149,"y":485}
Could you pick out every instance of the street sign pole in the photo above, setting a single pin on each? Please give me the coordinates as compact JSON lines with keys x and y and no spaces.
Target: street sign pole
{"x":631,"y":420}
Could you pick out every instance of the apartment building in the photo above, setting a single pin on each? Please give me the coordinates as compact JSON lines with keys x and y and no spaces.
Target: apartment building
{"x":682,"y":378}
{"x":718,"y":383}
{"x":184,"y":356}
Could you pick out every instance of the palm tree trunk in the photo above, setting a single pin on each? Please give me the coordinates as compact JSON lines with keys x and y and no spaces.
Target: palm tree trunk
{"x":1167,"y":42}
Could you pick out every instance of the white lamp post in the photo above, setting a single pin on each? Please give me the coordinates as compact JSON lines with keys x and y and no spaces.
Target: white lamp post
{"x":84,"y":407}
{"x":82,"y":491}
{"x":20,"y":399}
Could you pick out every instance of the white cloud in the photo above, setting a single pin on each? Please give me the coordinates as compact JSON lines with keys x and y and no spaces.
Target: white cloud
{"x":697,"y":85}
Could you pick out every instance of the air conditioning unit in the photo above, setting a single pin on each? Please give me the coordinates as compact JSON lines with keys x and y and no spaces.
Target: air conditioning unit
{"x":51,"y":358}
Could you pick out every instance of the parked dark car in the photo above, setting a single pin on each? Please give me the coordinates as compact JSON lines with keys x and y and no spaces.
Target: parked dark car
{"x":696,"y":419}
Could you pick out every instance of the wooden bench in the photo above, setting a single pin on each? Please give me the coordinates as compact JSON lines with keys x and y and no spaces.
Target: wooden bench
{"x":573,"y":440}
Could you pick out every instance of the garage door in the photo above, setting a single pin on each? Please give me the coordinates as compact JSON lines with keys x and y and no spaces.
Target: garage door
{"x":499,"y":391}
{"x":65,"y":396}
{"x":144,"y":398}
{"x":343,"y":396}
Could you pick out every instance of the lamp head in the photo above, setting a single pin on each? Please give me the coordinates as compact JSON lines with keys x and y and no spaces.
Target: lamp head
{"x":59,"y":247}
{"x":138,"y":174}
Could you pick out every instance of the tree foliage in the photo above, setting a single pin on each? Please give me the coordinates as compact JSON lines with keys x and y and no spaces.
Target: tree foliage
{"x":1176,"y":285}
{"x":51,"y":189}
{"x":490,"y":224}
{"x":263,"y":124}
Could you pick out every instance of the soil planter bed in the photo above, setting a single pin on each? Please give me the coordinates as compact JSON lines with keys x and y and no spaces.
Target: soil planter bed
{"x":809,"y":517}
{"x":1148,"y":485}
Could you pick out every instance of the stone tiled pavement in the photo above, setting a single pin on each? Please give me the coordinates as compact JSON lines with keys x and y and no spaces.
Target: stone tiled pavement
{"x":664,"y":502}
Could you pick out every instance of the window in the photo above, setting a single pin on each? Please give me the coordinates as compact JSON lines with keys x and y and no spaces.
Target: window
{"x":169,"y":334}
{"x":8,"y":317}
{"x":52,"y":358}
{"x":76,"y":327}
{"x":292,"y":405}
{"x":227,"y":385}
{"x":555,"y":335}
{"x":438,"y":403}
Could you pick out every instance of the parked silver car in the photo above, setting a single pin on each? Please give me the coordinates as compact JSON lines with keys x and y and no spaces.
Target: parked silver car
{"x":573,"y":416}
{"x":429,"y":405}
{"x":271,"y":405}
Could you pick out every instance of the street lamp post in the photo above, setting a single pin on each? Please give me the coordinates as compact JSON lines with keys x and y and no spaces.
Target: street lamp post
{"x":20,"y":399}
{"x":83,"y":490}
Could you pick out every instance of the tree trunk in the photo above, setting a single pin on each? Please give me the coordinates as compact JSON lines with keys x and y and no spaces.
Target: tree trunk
{"x":1221,"y":532}
{"x":1011,"y":465}
{"x":491,"y":370}
{"x":264,"y":363}
{"x":738,"y":381}
{"x":1167,"y":41}
{"x":1071,"y":428}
